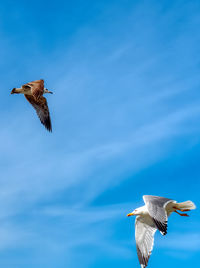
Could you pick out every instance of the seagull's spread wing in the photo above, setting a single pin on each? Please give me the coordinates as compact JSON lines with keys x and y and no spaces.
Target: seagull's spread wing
{"x":41,"y":107}
{"x":37,"y":88}
{"x":156,"y":208}
{"x":144,"y":236}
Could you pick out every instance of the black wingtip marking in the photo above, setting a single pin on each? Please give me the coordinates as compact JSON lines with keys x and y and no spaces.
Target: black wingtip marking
{"x":143,"y":259}
{"x":162,"y":226}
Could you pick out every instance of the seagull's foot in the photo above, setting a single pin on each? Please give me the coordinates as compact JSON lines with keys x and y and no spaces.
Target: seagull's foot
{"x":183,"y":210}
{"x":184,"y":214}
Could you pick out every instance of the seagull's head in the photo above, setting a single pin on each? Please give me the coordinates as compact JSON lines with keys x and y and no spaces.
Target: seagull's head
{"x":47,"y":91}
{"x":137,"y":211}
{"x":133,"y":213}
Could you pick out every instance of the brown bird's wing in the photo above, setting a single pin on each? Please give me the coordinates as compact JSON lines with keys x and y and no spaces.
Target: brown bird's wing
{"x":42,"y":110}
{"x":37,"y":88}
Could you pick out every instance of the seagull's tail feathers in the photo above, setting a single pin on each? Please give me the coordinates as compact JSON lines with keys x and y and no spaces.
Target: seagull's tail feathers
{"x":186,"y":206}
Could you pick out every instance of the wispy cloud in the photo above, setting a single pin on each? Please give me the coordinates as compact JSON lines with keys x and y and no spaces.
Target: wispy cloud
{"x":181,"y":241}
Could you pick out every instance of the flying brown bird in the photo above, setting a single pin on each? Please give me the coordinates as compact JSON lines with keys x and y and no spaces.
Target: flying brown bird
{"x":33,"y":92}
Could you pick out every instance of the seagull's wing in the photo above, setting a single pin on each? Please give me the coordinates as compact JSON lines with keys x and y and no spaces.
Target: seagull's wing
{"x":156,"y":208}
{"x":37,"y":88}
{"x":144,"y":236}
{"x":41,"y":107}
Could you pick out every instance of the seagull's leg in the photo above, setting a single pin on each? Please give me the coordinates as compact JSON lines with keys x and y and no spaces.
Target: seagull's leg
{"x":183,"y":210}
{"x":184,"y":214}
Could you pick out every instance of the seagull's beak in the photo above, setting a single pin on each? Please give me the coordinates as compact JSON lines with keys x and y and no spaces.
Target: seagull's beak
{"x":130,"y":214}
{"x":50,"y":92}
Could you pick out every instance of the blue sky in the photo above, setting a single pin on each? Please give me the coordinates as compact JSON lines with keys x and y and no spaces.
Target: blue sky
{"x":126,"y":122}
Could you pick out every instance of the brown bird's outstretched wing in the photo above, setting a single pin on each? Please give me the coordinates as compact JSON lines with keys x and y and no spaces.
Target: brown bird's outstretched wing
{"x":41,"y":107}
{"x":37,"y":88}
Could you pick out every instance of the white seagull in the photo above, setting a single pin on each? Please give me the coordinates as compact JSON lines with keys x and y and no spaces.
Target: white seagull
{"x":152,"y":217}
{"x":33,"y":92}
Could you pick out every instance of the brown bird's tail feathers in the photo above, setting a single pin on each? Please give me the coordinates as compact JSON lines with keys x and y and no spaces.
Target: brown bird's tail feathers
{"x":15,"y":91}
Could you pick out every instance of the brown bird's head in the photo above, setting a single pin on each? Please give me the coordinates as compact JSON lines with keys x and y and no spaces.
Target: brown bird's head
{"x":47,"y":91}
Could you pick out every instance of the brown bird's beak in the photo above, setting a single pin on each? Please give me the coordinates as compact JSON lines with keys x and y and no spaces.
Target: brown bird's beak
{"x":47,"y":91}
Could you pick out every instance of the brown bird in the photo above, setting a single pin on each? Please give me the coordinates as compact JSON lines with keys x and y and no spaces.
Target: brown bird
{"x":33,"y":92}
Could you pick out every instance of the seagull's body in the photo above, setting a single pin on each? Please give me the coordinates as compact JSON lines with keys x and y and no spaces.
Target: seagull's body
{"x":152,"y":217}
{"x":33,"y":92}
